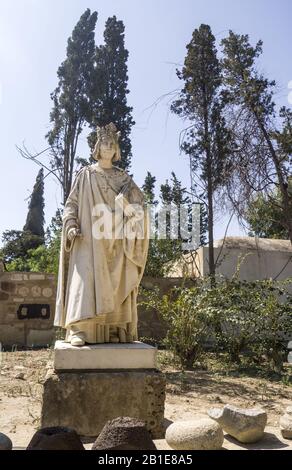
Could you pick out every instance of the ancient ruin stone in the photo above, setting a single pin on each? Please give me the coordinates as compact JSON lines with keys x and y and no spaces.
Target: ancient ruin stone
{"x":55,"y":438}
{"x":86,"y":401}
{"x":5,"y":442}
{"x":124,"y":434}
{"x":286,"y":423}
{"x":246,"y":425}
{"x":197,"y":434}
{"x":4,"y":296}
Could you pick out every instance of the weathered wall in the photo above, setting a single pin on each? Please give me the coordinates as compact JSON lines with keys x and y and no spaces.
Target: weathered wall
{"x":27,"y":307}
{"x":37,"y":292}
{"x":259,"y":258}
{"x":254,"y":264}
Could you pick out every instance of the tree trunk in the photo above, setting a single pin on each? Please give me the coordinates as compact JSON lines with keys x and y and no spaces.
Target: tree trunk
{"x":209,"y":196}
{"x":282,"y":185}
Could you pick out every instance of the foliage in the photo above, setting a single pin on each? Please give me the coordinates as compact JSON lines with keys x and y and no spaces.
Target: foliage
{"x":264,"y":217}
{"x":163,"y":252}
{"x":41,"y":259}
{"x":207,"y":140}
{"x":35,"y":257}
{"x":110,"y":88}
{"x":262,"y":163}
{"x":17,"y":243}
{"x":189,"y":326}
{"x":254,"y":318}
{"x":35,"y":218}
{"x":149,"y":189}
{"x":72,"y":107}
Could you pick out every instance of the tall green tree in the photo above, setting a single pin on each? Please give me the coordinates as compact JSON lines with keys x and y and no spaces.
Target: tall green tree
{"x":263,"y":161}
{"x":72,"y":100}
{"x":263,"y":217}
{"x":110,"y":88}
{"x":16,"y":246}
{"x":18,"y":243}
{"x":148,"y":189}
{"x":35,"y":219}
{"x":164,"y":251}
{"x":207,"y":140}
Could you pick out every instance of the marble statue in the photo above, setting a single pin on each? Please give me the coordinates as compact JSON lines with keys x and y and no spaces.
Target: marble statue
{"x":103,"y":250}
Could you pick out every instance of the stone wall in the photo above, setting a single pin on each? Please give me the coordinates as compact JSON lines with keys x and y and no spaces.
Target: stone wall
{"x":27,"y":308}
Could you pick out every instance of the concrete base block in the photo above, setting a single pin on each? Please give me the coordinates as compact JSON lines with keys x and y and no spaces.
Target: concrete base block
{"x":134,"y":355}
{"x":86,"y":400}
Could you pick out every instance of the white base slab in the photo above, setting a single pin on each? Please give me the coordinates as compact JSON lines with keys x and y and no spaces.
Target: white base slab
{"x":134,"y":355}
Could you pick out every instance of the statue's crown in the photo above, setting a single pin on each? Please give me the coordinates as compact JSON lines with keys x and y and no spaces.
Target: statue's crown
{"x":109,"y":130}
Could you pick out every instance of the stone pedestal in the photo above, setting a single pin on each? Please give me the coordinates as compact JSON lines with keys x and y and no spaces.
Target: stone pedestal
{"x":93,"y":384}
{"x":134,"y":355}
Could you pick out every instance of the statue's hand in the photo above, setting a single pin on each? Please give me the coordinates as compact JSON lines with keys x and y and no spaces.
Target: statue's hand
{"x":129,"y":210}
{"x":73,"y":233}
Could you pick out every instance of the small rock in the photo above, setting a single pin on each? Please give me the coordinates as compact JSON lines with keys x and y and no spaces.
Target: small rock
{"x":246,"y":425}
{"x":19,"y":376}
{"x":55,"y":438}
{"x":124,"y":433}
{"x":197,"y":434}
{"x":286,"y":423}
{"x":19,"y":368}
{"x":5,"y":442}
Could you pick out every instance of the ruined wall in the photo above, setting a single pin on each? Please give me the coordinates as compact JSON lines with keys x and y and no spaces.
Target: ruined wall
{"x":27,"y":308}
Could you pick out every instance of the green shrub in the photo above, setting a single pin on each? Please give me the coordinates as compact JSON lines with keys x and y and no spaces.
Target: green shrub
{"x":189,"y":323}
{"x":234,"y":316}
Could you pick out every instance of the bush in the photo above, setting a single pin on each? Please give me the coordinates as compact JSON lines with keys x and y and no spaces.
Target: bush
{"x":189,"y":323}
{"x":253,"y":317}
{"x":236,"y":316}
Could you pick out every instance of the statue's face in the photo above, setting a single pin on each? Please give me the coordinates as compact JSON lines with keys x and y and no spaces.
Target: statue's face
{"x":107,"y":148}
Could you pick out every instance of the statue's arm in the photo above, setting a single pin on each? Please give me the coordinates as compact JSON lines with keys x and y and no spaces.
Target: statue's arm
{"x":71,"y":227}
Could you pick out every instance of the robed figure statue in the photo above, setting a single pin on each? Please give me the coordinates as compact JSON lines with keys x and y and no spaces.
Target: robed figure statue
{"x":103,"y":250}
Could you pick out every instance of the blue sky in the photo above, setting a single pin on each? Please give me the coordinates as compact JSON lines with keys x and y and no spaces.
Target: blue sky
{"x":33,"y":37}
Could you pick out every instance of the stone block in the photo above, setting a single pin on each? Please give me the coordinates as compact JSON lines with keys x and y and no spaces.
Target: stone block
{"x":39,"y":337}
{"x":86,"y":400}
{"x":134,"y":355}
{"x":37,"y":277}
{"x":12,"y":335}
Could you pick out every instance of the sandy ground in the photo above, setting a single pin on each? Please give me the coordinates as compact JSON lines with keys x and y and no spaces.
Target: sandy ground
{"x":189,"y":394}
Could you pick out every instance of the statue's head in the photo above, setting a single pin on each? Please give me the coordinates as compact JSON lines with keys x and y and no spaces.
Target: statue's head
{"x":107,"y":143}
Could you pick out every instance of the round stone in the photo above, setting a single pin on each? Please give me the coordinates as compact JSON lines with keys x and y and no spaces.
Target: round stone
{"x":286,"y":423}
{"x":5,"y":442}
{"x":198,"y":434}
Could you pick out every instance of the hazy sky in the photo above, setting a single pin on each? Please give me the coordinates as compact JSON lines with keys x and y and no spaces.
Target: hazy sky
{"x":33,"y":37}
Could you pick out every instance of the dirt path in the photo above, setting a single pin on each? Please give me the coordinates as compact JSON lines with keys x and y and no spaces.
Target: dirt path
{"x":188,"y":394}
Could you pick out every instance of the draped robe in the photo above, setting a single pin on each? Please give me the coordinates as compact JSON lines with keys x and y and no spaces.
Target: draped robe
{"x":98,"y":284}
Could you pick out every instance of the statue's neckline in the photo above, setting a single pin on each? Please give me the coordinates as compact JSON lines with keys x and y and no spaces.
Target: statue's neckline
{"x":101,"y":168}
{"x":106,"y":170}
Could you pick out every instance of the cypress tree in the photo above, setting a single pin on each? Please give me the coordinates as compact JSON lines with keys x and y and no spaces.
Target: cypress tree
{"x":149,"y":189}
{"x":72,"y":104}
{"x":110,"y":88}
{"x":35,"y":217}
